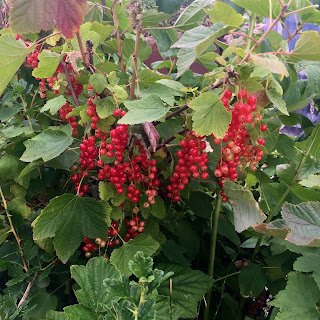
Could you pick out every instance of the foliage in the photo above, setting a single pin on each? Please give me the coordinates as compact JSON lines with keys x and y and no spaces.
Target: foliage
{"x":141,"y":190}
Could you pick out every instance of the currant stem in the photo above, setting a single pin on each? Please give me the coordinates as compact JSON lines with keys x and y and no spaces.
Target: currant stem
{"x":281,"y":200}
{"x":70,"y":84}
{"x":213,"y":252}
{"x":13,"y":229}
{"x":135,"y":64}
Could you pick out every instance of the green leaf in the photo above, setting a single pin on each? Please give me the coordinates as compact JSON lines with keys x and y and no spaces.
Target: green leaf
{"x":188,"y":287}
{"x":141,"y":266}
{"x":272,"y":63}
{"x":70,"y":218}
{"x":192,"y":15}
{"x":224,"y":13}
{"x":169,"y":6}
{"x":152,"y":18}
{"x":98,"y":81}
{"x":313,"y":181}
{"x":200,"y":203}
{"x":276,"y":98}
{"x":9,"y":167}
{"x":312,"y":69}
{"x":252,"y":280}
{"x":105,"y":108}
{"x":95,"y":13}
{"x":7,"y":113}
{"x":307,"y":47}
{"x":246,"y":210}
{"x":304,"y":223}
{"x":54,"y":105}
{"x":35,"y":15}
{"x":210,"y":115}
{"x":195,"y":41}
{"x":158,"y":210}
{"x":79,"y":312}
{"x":149,"y":77}
{"x":55,"y":315}
{"x":293,"y":304}
{"x":120,"y":257}
{"x":12,"y":55}
{"x":47,"y":145}
{"x":147,"y":109}
{"x":106,"y":190}
{"x":175,"y":252}
{"x":93,"y":293}
{"x":120,"y":93}
{"x":104,"y":125}
{"x":163,"y":308}
{"x":309,"y":263}
{"x":49,"y":62}
{"x":260,"y":7}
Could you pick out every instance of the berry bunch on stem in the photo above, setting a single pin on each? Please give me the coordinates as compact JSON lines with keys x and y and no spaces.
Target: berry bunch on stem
{"x":239,"y":150}
{"x":192,"y":161}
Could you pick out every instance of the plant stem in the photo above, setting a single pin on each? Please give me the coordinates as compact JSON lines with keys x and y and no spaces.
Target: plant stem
{"x":299,"y":10}
{"x":135,"y":63}
{"x":164,"y":143}
{"x":284,"y":8}
{"x":25,"y":111}
{"x":70,"y":84}
{"x":243,"y":35}
{"x":116,"y":24}
{"x":26,"y":293}
{"x":83,"y":55}
{"x":253,"y":19}
{"x":213,"y":252}
{"x":13,"y":230}
{"x":283,"y":197}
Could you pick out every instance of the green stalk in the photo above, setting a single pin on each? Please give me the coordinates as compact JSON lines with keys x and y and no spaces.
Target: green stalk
{"x":281,"y":200}
{"x":214,"y":233}
{"x":253,"y":19}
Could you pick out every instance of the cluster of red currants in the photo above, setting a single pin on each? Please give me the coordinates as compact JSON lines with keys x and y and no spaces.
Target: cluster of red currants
{"x":64,"y":111}
{"x":135,"y":226}
{"x":32,"y":59}
{"x":192,"y":160}
{"x":239,"y":149}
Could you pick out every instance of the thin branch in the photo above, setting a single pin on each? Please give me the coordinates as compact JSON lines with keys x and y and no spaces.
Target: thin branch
{"x":284,"y":195}
{"x":24,"y":104}
{"x":275,"y":53}
{"x":177,"y":112}
{"x":26,"y":293}
{"x":284,"y":25}
{"x":270,"y":12}
{"x":164,"y":143}
{"x":214,"y":233}
{"x":253,"y":19}
{"x":135,"y":63}
{"x":45,"y":38}
{"x":299,"y":10}
{"x":70,"y":84}
{"x":13,"y":230}
{"x":116,"y":24}
{"x":172,"y":65}
{"x":284,"y":8}
{"x":243,"y":35}
{"x":83,"y":54}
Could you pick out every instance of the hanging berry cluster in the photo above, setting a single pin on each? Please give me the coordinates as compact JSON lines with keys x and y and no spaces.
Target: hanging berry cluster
{"x":135,"y":227}
{"x":64,"y":111}
{"x":33,"y":61}
{"x":192,"y":160}
{"x":240,"y":151}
